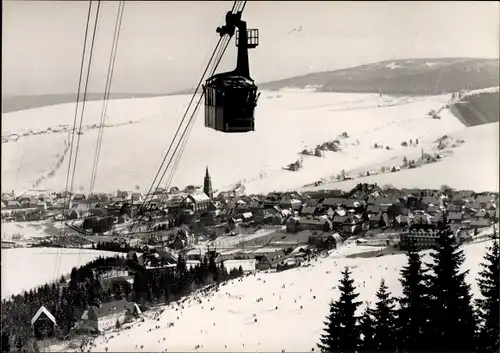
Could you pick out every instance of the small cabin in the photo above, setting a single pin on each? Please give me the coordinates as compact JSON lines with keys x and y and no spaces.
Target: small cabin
{"x":43,"y":324}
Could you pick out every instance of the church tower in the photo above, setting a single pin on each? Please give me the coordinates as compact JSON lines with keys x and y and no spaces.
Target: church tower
{"x":207,"y":185}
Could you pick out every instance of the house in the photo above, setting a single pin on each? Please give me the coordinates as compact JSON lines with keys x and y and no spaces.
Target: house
{"x":122,"y":195}
{"x":326,"y":241}
{"x":136,"y":197}
{"x":106,"y":315}
{"x":428,"y":200}
{"x":77,"y":198}
{"x":451,"y":207}
{"x":455,"y":217}
{"x":292,"y":224}
{"x":308,"y":211}
{"x":480,"y":223}
{"x":323,"y":224}
{"x":482,"y":214}
{"x":402,"y":220}
{"x":136,"y":257}
{"x":420,"y":219}
{"x":178,"y":243}
{"x":267,"y":216}
{"x":333,"y":202}
{"x":373,"y":209}
{"x":287,"y":202}
{"x":13,"y":205}
{"x":376,"y":220}
{"x":269,"y":260}
{"x":352,"y":204}
{"x":43,"y":324}
{"x":490,"y":206}
{"x":472,"y":206}
{"x":432,"y":210}
{"x":41,"y":205}
{"x":483,"y":200}
{"x":437,"y":218}
{"x":314,"y":202}
{"x":339,"y":221}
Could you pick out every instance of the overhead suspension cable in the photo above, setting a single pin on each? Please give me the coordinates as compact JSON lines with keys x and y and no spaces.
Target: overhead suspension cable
{"x":107,"y":90}
{"x":149,"y":193}
{"x":67,"y":197}
{"x":185,"y":135}
{"x":91,"y":56}
{"x":183,"y":146}
{"x":148,"y":196}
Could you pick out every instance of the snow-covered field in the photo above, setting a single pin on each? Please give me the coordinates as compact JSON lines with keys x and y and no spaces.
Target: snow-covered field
{"x":23,"y":230}
{"x":472,"y":166}
{"x":286,"y":123}
{"x":231,"y":326}
{"x":27,"y":268}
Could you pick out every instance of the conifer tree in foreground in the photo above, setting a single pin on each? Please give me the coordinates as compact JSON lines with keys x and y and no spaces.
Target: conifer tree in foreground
{"x":342,"y":332}
{"x":413,"y":304}
{"x":384,"y":317}
{"x":367,"y":328}
{"x":489,"y":305}
{"x":452,"y":324}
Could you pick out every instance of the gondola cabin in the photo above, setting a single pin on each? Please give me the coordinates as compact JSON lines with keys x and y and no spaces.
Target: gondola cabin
{"x":230,"y":103}
{"x":231,"y":97}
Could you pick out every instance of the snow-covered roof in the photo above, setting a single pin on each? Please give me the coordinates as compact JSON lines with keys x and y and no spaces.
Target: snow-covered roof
{"x":199,"y":197}
{"x":46,"y":312}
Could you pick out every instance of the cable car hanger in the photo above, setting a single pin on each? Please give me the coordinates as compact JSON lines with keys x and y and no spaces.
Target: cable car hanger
{"x":231,"y":97}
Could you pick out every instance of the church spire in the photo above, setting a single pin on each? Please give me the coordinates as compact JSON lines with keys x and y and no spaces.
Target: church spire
{"x":207,"y":185}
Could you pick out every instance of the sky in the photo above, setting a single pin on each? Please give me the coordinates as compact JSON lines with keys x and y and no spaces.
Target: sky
{"x":164,"y":46}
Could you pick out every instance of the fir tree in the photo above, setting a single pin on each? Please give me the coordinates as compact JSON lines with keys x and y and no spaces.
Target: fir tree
{"x":212,"y":268}
{"x":5,"y":342}
{"x":488,"y":305}
{"x":384,"y":316}
{"x":412,"y":313}
{"x":367,"y":328}
{"x":452,"y":323}
{"x":342,"y":332}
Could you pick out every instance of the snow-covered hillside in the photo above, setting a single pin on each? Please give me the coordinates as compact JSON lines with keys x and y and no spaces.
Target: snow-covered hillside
{"x":290,"y":315}
{"x":472,"y":166}
{"x":286,"y":123}
{"x":27,"y":268}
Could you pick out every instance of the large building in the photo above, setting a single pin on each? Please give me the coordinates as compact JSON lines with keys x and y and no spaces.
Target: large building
{"x":423,"y":235}
{"x":106,"y":315}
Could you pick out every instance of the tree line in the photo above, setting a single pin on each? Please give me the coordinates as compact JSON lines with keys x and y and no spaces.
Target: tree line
{"x":67,"y":300}
{"x":435,"y":313}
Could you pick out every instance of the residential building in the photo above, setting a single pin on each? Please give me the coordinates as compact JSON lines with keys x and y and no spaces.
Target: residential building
{"x":106,"y":315}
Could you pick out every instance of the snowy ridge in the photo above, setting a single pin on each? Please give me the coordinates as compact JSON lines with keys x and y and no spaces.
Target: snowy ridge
{"x":131,"y":154}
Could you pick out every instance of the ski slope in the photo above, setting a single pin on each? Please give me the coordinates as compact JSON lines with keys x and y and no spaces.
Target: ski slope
{"x":230,"y":326}
{"x":27,"y":268}
{"x":286,"y":123}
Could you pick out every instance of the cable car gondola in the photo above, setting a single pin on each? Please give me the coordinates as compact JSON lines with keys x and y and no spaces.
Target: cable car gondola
{"x":231,"y":97}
